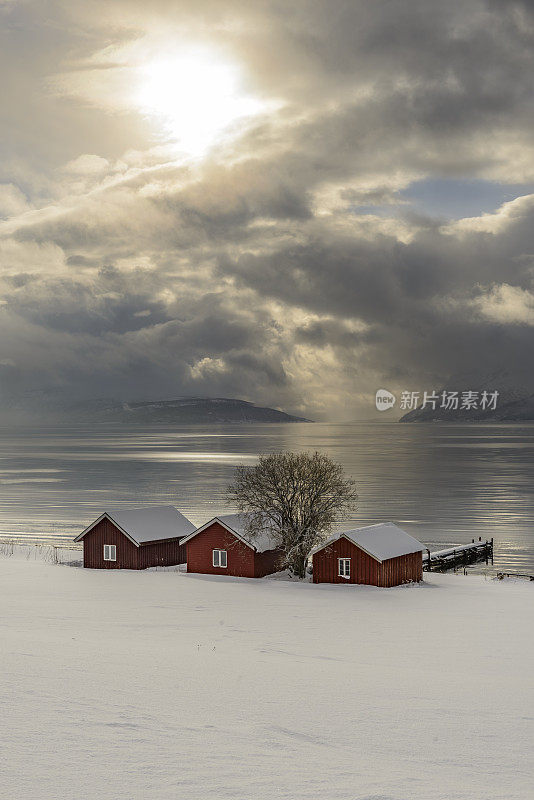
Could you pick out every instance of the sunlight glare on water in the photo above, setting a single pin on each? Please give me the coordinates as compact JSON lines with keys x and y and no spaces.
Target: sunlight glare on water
{"x":445,"y":484}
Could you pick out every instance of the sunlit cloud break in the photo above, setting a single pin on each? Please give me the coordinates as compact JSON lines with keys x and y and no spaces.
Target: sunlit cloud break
{"x":248,"y":200}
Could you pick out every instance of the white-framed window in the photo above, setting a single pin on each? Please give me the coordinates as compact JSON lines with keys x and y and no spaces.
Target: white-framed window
{"x":219,"y":558}
{"x":110,"y":552}
{"x":343,"y":567}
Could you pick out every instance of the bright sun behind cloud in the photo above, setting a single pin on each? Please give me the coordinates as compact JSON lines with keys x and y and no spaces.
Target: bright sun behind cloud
{"x":195,"y":97}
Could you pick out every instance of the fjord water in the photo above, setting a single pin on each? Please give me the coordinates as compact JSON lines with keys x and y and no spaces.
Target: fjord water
{"x":446,"y":484}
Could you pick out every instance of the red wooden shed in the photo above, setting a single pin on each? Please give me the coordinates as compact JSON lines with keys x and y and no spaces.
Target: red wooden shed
{"x":379,"y":555}
{"x":223,"y":547}
{"x":136,"y":539}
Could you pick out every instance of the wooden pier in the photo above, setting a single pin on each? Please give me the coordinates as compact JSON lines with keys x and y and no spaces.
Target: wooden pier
{"x":452,"y":557}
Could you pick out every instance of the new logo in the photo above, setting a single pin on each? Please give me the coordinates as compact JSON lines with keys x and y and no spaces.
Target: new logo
{"x":384,"y":400}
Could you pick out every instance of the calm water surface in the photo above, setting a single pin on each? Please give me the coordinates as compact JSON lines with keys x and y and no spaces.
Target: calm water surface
{"x":445,"y":484}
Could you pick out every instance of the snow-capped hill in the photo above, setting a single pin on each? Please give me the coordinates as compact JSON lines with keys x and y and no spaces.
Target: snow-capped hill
{"x":198,"y":410}
{"x":514,"y":403}
{"x":180,"y":411}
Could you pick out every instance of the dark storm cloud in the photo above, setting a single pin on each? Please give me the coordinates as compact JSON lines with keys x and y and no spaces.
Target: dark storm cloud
{"x":429,"y":301}
{"x":384,"y":278}
{"x":255,"y":272}
{"x":109,"y":303}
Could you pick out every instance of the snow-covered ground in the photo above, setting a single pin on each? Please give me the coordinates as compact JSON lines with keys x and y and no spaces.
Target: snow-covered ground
{"x":157,"y":685}
{"x":53,"y":554}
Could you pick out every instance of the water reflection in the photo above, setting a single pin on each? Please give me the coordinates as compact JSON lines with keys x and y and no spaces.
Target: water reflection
{"x":446,"y":484}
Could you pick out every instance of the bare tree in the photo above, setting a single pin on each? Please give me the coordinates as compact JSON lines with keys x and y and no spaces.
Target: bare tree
{"x":297,"y":497}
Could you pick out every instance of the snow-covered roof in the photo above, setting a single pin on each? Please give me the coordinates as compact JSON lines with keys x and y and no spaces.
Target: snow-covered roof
{"x":381,"y":541}
{"x":150,"y":524}
{"x":237,"y":524}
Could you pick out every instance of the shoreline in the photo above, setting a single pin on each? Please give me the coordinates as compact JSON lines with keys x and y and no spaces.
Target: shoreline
{"x":72,"y":556}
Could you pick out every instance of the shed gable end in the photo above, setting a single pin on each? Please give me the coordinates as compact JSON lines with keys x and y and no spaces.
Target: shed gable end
{"x":240,"y":557}
{"x":363,"y":567}
{"x":103,"y":533}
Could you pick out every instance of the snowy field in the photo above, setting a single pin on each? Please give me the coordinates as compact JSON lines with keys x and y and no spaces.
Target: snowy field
{"x":159,"y":685}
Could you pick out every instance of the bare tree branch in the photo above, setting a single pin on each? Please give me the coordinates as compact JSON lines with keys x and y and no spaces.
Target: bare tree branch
{"x":296,"y":496}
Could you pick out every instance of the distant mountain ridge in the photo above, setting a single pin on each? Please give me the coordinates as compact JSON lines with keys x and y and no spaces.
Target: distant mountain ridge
{"x":515,"y":402}
{"x":180,"y":411}
{"x":198,"y":410}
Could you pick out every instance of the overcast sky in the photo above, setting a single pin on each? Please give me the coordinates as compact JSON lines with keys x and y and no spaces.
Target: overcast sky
{"x":291,"y":203}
